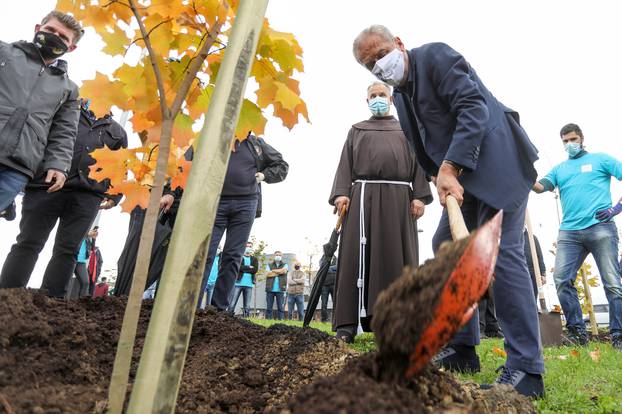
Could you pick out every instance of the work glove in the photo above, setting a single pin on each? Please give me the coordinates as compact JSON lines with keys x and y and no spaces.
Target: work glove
{"x":608,"y":214}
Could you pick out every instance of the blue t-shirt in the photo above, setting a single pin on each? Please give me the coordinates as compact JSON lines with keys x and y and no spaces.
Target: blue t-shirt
{"x":247,"y":278}
{"x":584,"y":187}
{"x":83,"y":255}
{"x":276,"y":288}
{"x":213,"y":274}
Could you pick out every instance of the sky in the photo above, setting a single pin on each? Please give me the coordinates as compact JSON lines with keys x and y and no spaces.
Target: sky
{"x":554,"y":62}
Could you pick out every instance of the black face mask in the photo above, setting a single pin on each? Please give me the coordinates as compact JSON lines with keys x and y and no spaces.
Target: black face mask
{"x":297,"y":267}
{"x":50,"y":46}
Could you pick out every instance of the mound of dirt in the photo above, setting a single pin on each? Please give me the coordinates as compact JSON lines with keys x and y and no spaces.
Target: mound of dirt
{"x":57,"y":356}
{"x":406,"y":307}
{"x":360,"y":388}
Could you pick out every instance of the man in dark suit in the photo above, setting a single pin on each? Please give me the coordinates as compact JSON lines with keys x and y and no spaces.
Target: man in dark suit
{"x":477,"y":151}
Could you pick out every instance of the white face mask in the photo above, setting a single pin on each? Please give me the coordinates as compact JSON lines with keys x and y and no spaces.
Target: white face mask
{"x":277,"y":258}
{"x":390,"y":69}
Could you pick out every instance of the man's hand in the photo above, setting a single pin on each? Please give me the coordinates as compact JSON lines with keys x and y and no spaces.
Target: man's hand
{"x":259,"y":177}
{"x":58,"y":178}
{"x":341,"y":202}
{"x":447,"y":183}
{"x":166,"y":202}
{"x":417,"y":208}
{"x":107,"y":204}
{"x":609,"y":213}
{"x":543,"y":279}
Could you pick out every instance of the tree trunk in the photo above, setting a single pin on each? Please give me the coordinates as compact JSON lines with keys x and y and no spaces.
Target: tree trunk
{"x":159,"y":372}
{"x":125,"y":347}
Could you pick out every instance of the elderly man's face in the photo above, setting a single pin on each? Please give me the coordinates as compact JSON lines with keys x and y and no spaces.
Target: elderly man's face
{"x":372,"y":49}
{"x":378,"y":90}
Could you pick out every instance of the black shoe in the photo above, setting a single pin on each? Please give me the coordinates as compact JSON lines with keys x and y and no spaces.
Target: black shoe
{"x":346,"y":334}
{"x":9,"y":213}
{"x":576,"y":337}
{"x":493,"y":334}
{"x":616,"y":342}
{"x":530,"y":385}
{"x":458,"y":358}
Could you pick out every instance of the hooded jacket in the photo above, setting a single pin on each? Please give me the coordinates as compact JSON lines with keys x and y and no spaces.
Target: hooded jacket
{"x":38,"y":111}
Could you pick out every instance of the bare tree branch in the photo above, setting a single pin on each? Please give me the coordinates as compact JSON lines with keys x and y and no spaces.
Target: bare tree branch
{"x":194,"y":68}
{"x":166,"y":113}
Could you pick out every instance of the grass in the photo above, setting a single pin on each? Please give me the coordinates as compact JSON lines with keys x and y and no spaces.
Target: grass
{"x":576,"y":382}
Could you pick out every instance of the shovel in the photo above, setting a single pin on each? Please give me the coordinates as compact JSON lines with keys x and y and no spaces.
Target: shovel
{"x":550,"y":322}
{"x":465,"y":286}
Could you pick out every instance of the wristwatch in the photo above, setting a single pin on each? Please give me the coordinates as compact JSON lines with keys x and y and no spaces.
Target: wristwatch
{"x":459,"y":168}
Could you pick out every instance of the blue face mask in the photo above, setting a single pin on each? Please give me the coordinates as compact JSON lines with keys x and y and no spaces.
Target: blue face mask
{"x":573,"y":149}
{"x":379,"y":106}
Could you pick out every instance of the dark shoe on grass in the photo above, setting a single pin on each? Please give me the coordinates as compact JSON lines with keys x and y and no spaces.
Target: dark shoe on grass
{"x":616,"y":342}
{"x":576,"y":337}
{"x":530,"y":385}
{"x":458,"y":358}
{"x":346,"y":334}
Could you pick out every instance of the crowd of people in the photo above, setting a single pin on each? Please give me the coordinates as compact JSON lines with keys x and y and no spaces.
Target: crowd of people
{"x":451,"y":131}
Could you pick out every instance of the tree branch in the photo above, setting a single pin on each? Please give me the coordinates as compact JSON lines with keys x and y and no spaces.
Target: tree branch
{"x":153,"y":58}
{"x":194,"y":68}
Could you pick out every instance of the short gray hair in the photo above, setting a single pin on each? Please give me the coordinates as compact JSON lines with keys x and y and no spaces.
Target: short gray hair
{"x":375,"y":29}
{"x":385,"y":85}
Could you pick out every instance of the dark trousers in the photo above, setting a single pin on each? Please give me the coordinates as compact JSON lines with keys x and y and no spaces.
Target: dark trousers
{"x":76,"y":211}
{"x":488,"y":324}
{"x":513,"y":294}
{"x":270,"y":297}
{"x":327,"y":290}
{"x":82,"y":276}
{"x":236,"y":217}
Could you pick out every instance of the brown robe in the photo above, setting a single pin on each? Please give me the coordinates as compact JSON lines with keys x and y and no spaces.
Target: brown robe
{"x":376,"y":149}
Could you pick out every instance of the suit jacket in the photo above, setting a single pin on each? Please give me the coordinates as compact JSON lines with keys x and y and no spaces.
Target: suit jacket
{"x":447,"y":113}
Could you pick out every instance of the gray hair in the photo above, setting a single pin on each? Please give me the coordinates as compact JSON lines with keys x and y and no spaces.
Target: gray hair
{"x":375,"y":29}
{"x":385,"y":85}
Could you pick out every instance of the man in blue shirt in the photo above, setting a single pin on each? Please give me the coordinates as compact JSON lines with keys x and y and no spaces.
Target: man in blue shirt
{"x":587,"y":227}
{"x":276,"y":282}
{"x":245,"y":281}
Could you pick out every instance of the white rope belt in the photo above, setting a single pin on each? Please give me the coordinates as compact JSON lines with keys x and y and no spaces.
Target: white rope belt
{"x":360,"y":283}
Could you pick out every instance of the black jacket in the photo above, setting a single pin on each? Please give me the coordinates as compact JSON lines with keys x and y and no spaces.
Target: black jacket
{"x":252,"y":269}
{"x":269,"y":162}
{"x":92,"y":134}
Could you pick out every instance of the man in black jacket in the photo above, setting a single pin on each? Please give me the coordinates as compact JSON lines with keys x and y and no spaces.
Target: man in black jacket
{"x":252,"y":161}
{"x":245,"y":281}
{"x":76,"y":206}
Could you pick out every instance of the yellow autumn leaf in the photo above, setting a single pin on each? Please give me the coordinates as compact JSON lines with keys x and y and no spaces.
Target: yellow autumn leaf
{"x":595,"y":355}
{"x":499,"y":352}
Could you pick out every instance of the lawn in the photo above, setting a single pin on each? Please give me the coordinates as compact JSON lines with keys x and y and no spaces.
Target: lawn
{"x":578,"y":380}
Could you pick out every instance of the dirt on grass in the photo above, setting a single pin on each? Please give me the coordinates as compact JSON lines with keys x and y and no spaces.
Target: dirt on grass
{"x":56,"y":357}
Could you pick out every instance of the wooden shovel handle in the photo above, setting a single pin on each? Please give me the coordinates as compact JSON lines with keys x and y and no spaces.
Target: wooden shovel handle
{"x":456,"y":221}
{"x":342,"y":214}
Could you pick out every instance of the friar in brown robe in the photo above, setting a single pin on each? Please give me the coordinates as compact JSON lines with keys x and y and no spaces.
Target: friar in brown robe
{"x":375,"y":150}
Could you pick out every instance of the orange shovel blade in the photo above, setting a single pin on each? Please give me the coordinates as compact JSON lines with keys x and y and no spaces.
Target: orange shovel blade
{"x":465,"y":286}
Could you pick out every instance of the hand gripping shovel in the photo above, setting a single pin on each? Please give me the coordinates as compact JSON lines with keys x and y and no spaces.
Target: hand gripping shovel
{"x":465,"y":286}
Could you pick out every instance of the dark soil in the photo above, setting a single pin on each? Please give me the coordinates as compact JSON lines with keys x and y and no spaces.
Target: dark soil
{"x":360,"y":389}
{"x":405,"y":309}
{"x":57,"y":356}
